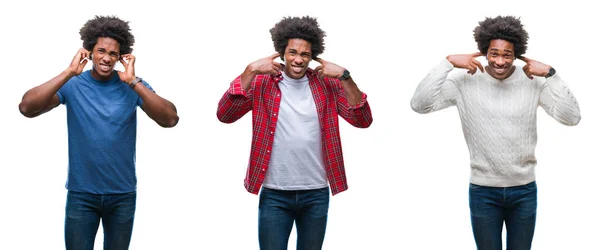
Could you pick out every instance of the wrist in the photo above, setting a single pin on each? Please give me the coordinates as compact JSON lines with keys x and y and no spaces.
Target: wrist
{"x":69,"y":73}
{"x":345,"y":75}
{"x":251,"y":70}
{"x":249,"y":73}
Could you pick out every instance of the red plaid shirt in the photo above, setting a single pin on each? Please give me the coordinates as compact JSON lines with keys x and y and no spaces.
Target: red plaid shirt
{"x":263,"y":99}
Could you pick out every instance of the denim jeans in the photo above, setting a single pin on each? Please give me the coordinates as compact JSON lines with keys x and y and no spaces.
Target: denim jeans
{"x":82,"y":218}
{"x":277,"y":211}
{"x":491,"y":207}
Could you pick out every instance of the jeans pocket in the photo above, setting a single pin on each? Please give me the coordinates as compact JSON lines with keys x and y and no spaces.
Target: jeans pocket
{"x":474,"y":186}
{"x":323,"y":190}
{"x":531,"y":186}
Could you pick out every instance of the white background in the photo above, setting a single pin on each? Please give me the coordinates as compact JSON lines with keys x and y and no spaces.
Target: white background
{"x":408,"y":173}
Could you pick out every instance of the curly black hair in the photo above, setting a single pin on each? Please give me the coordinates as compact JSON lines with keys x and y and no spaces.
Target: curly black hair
{"x":107,"y":26}
{"x":507,"y":28}
{"x":305,"y":28}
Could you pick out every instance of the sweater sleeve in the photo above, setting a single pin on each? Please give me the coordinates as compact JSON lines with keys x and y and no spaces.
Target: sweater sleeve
{"x":436,"y":91}
{"x":558,"y":101}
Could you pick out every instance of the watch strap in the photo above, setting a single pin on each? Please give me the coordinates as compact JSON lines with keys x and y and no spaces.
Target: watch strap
{"x":345,"y":75}
{"x":551,"y":72}
{"x":135,"y":81}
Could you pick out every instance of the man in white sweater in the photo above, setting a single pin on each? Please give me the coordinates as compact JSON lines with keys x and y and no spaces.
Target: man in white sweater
{"x":497,"y":108}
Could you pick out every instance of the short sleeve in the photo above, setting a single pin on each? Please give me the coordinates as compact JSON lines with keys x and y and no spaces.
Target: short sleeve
{"x":64,"y":92}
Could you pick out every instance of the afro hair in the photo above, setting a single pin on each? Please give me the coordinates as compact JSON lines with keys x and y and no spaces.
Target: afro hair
{"x":507,"y":28}
{"x":305,"y":28}
{"x":107,"y":26}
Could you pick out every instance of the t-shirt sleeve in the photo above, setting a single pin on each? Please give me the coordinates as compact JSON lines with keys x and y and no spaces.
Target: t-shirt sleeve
{"x":64,"y":92}
{"x":139,"y":100}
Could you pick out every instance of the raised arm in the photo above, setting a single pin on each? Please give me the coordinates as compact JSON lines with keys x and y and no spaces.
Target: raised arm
{"x":43,"y":98}
{"x":159,"y":109}
{"x":237,"y":100}
{"x":352,"y":103}
{"x":436,"y":91}
{"x":556,"y":98}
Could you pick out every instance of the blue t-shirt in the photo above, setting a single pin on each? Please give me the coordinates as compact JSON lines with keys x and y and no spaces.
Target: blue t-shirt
{"x":101,"y":121}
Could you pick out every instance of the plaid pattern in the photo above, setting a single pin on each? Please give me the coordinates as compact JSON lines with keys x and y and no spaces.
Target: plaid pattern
{"x":263,"y":99}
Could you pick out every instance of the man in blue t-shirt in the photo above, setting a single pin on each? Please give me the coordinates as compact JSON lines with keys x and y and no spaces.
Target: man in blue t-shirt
{"x":101,"y":118}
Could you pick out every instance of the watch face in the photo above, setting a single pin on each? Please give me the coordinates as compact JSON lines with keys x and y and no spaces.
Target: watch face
{"x":345,"y":75}
{"x":551,"y":72}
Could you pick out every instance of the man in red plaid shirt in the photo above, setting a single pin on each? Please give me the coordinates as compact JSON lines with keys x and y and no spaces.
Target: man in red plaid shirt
{"x":296,"y":153}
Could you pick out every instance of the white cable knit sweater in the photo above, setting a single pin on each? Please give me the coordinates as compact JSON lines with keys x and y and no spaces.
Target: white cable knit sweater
{"x":498,"y":117}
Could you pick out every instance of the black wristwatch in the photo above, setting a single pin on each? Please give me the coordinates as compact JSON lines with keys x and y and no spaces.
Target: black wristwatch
{"x":345,"y":75}
{"x":135,"y":81}
{"x":551,"y":72}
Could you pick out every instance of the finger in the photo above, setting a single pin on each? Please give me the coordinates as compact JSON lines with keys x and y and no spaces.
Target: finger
{"x":273,"y":70}
{"x":473,"y":67}
{"x":82,"y":54}
{"x":83,"y":59}
{"x":130,"y":59}
{"x":470,"y":71}
{"x":478,"y":65}
{"x":477,"y":54}
{"x":277,"y":66}
{"x":274,"y":56}
{"x":319,"y":60}
{"x":320,"y":72}
{"x":77,"y":56}
{"x":526,"y":70}
{"x":83,"y":63}
{"x":123,"y":61}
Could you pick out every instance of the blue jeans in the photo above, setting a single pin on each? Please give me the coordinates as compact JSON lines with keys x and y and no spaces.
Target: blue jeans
{"x":82,"y":218}
{"x":493,"y":206}
{"x":277,"y":211}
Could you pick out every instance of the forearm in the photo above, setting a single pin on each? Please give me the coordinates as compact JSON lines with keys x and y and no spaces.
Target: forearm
{"x":36,"y":100}
{"x":353,"y":93}
{"x":246,"y":78}
{"x":158,"y":109}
